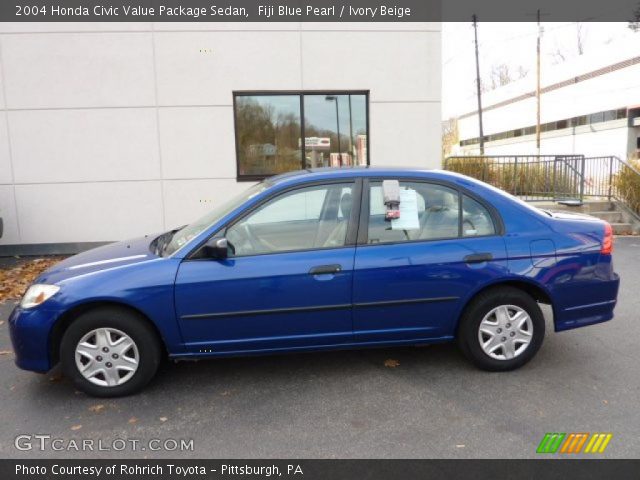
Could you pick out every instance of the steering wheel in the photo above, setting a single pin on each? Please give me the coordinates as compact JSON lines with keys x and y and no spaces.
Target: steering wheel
{"x":240,"y":238}
{"x":467,"y":222}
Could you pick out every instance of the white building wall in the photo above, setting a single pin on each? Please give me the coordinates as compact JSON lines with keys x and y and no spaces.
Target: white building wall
{"x":109,"y":130}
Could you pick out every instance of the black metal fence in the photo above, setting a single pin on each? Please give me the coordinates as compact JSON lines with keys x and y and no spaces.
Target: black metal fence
{"x":532,"y":177}
{"x":555,"y":177}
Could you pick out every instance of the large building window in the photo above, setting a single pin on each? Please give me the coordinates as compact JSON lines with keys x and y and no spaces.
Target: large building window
{"x":278,"y":132}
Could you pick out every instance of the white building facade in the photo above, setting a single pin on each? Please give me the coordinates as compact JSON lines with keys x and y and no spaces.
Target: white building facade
{"x":589,"y":107}
{"x":114,"y":130}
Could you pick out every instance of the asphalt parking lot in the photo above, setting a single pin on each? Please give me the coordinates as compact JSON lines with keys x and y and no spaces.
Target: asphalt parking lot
{"x":350,"y":404}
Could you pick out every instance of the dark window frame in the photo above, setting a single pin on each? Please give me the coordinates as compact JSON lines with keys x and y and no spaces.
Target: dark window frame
{"x":358,"y":229}
{"x":300,"y":94}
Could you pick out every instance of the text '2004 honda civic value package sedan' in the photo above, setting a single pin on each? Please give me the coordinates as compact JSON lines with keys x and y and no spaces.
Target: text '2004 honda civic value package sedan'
{"x":319,"y":260}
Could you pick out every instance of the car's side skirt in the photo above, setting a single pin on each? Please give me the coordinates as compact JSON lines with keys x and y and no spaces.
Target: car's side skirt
{"x":211,"y":353}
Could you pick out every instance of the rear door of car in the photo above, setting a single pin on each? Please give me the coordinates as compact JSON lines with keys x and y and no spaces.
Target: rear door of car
{"x":409,"y":283}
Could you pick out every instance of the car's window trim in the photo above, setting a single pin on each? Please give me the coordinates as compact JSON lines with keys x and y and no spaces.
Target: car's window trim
{"x":350,"y":239}
{"x":363,"y":230}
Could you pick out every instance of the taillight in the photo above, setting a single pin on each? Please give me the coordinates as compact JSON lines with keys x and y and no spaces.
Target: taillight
{"x":607,"y":242}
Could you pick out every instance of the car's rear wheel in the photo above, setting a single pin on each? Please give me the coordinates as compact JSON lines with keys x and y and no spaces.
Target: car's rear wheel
{"x":501,"y":329}
{"x":110,"y":352}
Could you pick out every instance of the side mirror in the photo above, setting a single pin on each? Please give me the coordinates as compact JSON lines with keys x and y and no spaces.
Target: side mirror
{"x":216,"y":248}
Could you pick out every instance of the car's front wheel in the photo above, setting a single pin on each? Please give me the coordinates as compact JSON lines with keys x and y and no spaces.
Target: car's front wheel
{"x":501,"y":329}
{"x":110,"y":352}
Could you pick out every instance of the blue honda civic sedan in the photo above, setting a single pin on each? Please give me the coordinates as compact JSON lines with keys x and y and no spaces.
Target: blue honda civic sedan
{"x":323,"y":259}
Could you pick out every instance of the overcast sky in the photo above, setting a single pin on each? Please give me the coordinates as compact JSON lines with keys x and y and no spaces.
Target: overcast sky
{"x":514,"y":44}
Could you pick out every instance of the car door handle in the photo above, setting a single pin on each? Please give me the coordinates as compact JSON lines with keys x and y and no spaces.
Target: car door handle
{"x":325,"y":269}
{"x":478,"y":258}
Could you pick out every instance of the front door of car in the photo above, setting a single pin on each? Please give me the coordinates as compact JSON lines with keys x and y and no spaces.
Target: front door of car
{"x":412,"y":274}
{"x":287,"y":281}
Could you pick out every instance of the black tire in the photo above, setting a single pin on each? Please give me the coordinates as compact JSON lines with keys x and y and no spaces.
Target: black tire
{"x":149,"y":351}
{"x":481,"y":306}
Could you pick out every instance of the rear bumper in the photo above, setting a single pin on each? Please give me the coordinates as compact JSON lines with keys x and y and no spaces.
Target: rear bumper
{"x":29,"y":331}
{"x":599,"y":302}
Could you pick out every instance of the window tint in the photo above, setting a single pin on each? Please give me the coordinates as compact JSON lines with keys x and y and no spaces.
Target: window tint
{"x":476,"y":220}
{"x":308,"y":218}
{"x":270,"y":129}
{"x":429,"y":213}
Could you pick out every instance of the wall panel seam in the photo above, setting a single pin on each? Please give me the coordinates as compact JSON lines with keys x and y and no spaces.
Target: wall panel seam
{"x":8,"y":129}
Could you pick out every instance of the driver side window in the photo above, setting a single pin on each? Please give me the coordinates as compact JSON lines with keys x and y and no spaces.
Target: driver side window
{"x":303,"y":219}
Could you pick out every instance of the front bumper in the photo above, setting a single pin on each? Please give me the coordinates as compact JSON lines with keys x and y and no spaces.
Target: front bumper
{"x":30,"y":331}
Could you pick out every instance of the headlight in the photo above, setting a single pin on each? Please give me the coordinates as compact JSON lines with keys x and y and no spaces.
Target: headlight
{"x":37,"y":294}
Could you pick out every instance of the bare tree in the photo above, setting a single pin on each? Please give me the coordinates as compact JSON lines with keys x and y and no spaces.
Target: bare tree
{"x":522,"y":72}
{"x":558,"y":56}
{"x":502,"y":74}
{"x":562,"y":54}
{"x":449,"y":136}
{"x":635,"y":24}
{"x":580,"y":36}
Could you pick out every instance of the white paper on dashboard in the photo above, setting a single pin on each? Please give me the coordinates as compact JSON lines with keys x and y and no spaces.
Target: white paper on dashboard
{"x":408,"y":211}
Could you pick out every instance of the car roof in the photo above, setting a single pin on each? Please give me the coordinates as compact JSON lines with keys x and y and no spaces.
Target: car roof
{"x":301,"y":176}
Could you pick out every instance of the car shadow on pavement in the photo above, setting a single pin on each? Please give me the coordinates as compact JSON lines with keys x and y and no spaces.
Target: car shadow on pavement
{"x":268,"y":372}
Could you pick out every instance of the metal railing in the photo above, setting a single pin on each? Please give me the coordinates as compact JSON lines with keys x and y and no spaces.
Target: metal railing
{"x":555,"y":177}
{"x":624,"y":185}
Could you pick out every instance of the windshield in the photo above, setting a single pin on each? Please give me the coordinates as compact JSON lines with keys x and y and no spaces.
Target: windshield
{"x":178,"y":238}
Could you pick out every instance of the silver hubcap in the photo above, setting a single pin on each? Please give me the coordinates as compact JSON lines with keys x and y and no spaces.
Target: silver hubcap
{"x":505,"y":332}
{"x":107,"y":357}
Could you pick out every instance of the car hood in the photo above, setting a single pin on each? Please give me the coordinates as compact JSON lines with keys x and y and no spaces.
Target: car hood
{"x":106,"y":257}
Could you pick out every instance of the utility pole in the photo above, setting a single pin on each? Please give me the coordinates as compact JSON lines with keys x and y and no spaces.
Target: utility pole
{"x":538,"y":86}
{"x":350,"y":132}
{"x":475,"y":31}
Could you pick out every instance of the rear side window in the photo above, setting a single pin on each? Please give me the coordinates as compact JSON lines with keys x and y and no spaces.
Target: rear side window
{"x":429,"y":211}
{"x":476,"y":220}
